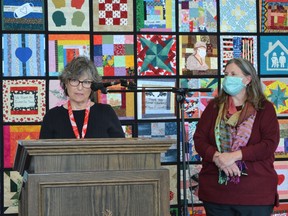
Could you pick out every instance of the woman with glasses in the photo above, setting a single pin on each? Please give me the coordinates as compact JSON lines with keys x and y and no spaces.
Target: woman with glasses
{"x":80,"y":117}
{"x":236,"y":137}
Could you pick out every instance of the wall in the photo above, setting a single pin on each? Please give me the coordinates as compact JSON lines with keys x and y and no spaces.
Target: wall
{"x":144,"y":42}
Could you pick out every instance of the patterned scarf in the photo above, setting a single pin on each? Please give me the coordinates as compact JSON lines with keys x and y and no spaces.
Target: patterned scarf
{"x":232,"y":131}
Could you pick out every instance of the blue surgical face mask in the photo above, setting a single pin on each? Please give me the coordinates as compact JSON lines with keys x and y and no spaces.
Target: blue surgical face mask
{"x":202,"y":52}
{"x":233,"y":85}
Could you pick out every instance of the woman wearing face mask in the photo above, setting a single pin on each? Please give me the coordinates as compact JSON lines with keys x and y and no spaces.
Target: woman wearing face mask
{"x":236,"y":137}
{"x":196,"y":61}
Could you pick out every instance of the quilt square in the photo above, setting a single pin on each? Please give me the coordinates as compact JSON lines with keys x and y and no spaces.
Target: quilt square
{"x":120,"y":62}
{"x":56,"y":94}
{"x":276,"y":91}
{"x":113,"y":54}
{"x":238,"y":47}
{"x":68,"y":15}
{"x":281,"y":168}
{"x":12,"y":186}
{"x":156,"y":101}
{"x":238,"y":16}
{"x":156,"y":55}
{"x":191,"y":154}
{"x":281,"y":210}
{"x":282,"y":149}
{"x":198,"y":210}
{"x":24,"y":55}
{"x":192,"y":183}
{"x":173,"y":211}
{"x":195,"y":102}
{"x":274,"y":55}
{"x":122,"y":102}
{"x":154,"y":15}
{"x":24,"y":100}
{"x":192,"y":61}
{"x":13,"y":133}
{"x":161,"y":130}
{"x":273,"y":15}
{"x":64,"y":47}
{"x":197,"y":15}
{"x":128,"y":130}
{"x":23,"y":15}
{"x":173,"y":187}
{"x":113,"y":15}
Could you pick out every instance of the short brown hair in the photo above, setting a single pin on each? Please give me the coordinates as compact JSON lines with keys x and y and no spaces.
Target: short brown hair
{"x":77,"y":67}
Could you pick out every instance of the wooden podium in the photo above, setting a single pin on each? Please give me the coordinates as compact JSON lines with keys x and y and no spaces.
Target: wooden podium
{"x":93,"y":177}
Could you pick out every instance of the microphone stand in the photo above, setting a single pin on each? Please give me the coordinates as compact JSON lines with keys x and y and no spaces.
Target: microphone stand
{"x":180,"y":98}
{"x":132,"y":87}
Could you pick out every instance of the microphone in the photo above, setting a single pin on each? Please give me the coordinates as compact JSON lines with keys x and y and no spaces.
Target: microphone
{"x":107,"y":84}
{"x":129,"y":85}
{"x":186,"y":90}
{"x":95,"y":86}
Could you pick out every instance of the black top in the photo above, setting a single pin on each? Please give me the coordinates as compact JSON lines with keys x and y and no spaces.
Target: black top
{"x":103,"y":123}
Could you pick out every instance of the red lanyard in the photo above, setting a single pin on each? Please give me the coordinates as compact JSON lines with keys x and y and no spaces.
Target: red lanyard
{"x":73,"y":122}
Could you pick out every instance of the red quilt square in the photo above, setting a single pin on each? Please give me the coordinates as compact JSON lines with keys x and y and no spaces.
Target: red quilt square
{"x":116,"y":6}
{"x":101,"y":6}
{"x":124,"y":14}
{"x":101,"y":21}
{"x":116,"y":21}
{"x":109,"y":14}
{"x":109,"y":71}
{"x":119,"y":49}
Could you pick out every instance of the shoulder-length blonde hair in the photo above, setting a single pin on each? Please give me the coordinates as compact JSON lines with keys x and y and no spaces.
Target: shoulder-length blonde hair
{"x":254,"y":91}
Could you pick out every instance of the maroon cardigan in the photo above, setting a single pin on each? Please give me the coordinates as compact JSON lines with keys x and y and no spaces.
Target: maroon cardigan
{"x":260,"y":186}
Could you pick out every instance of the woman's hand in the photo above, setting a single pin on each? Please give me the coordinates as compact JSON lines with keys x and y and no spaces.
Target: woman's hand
{"x":232,"y":170}
{"x":215,"y":157}
{"x":226,"y":162}
{"x":226,"y":159}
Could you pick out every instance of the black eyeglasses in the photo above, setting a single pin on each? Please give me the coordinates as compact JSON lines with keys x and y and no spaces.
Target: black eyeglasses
{"x":85,"y":83}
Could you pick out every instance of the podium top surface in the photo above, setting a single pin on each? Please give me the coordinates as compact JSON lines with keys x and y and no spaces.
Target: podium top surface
{"x":95,"y":146}
{"x":55,"y":148}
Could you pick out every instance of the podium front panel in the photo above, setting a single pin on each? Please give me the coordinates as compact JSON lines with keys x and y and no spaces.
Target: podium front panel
{"x":124,"y":193}
{"x":93,"y":177}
